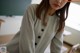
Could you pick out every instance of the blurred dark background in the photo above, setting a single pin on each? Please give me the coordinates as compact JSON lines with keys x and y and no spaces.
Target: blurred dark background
{"x":13,"y":7}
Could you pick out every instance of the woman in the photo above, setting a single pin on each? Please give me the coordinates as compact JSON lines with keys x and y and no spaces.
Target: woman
{"x":42,"y":24}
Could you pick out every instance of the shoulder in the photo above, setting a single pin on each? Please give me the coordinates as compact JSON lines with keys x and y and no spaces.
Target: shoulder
{"x":31,"y":11}
{"x":32,"y":7}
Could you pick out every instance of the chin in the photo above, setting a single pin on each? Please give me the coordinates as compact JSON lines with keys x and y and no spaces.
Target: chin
{"x":56,"y":8}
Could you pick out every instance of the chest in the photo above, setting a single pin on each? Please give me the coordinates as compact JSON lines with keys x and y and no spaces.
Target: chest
{"x":41,"y":30}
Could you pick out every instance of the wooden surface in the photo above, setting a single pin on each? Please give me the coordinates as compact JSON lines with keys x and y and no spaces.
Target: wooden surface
{"x":69,"y":47}
{"x":6,"y":38}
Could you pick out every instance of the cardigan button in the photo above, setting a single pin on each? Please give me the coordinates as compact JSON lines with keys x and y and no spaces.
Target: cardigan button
{"x":42,"y":29}
{"x":39,"y":37}
{"x":35,"y":43}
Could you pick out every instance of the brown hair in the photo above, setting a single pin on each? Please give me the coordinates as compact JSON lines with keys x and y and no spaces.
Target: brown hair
{"x":44,"y":5}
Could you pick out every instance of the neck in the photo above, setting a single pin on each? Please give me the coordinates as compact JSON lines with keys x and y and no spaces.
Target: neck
{"x":51,"y":11}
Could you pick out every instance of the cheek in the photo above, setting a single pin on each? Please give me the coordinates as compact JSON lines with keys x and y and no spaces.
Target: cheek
{"x":51,"y":2}
{"x":63,"y":4}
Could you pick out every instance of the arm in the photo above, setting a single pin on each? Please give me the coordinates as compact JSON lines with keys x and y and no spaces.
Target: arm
{"x":57,"y":43}
{"x":21,"y":43}
{"x":26,"y":41}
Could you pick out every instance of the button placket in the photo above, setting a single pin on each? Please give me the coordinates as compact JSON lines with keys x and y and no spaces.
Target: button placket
{"x":39,"y":34}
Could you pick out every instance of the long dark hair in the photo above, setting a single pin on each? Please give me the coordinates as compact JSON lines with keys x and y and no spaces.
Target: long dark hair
{"x":44,"y":5}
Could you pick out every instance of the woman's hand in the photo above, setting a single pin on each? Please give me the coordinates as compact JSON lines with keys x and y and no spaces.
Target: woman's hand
{"x":71,"y":51}
{"x":74,"y":48}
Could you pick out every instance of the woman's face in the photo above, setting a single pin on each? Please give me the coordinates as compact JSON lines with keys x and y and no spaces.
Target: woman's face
{"x":57,"y":4}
